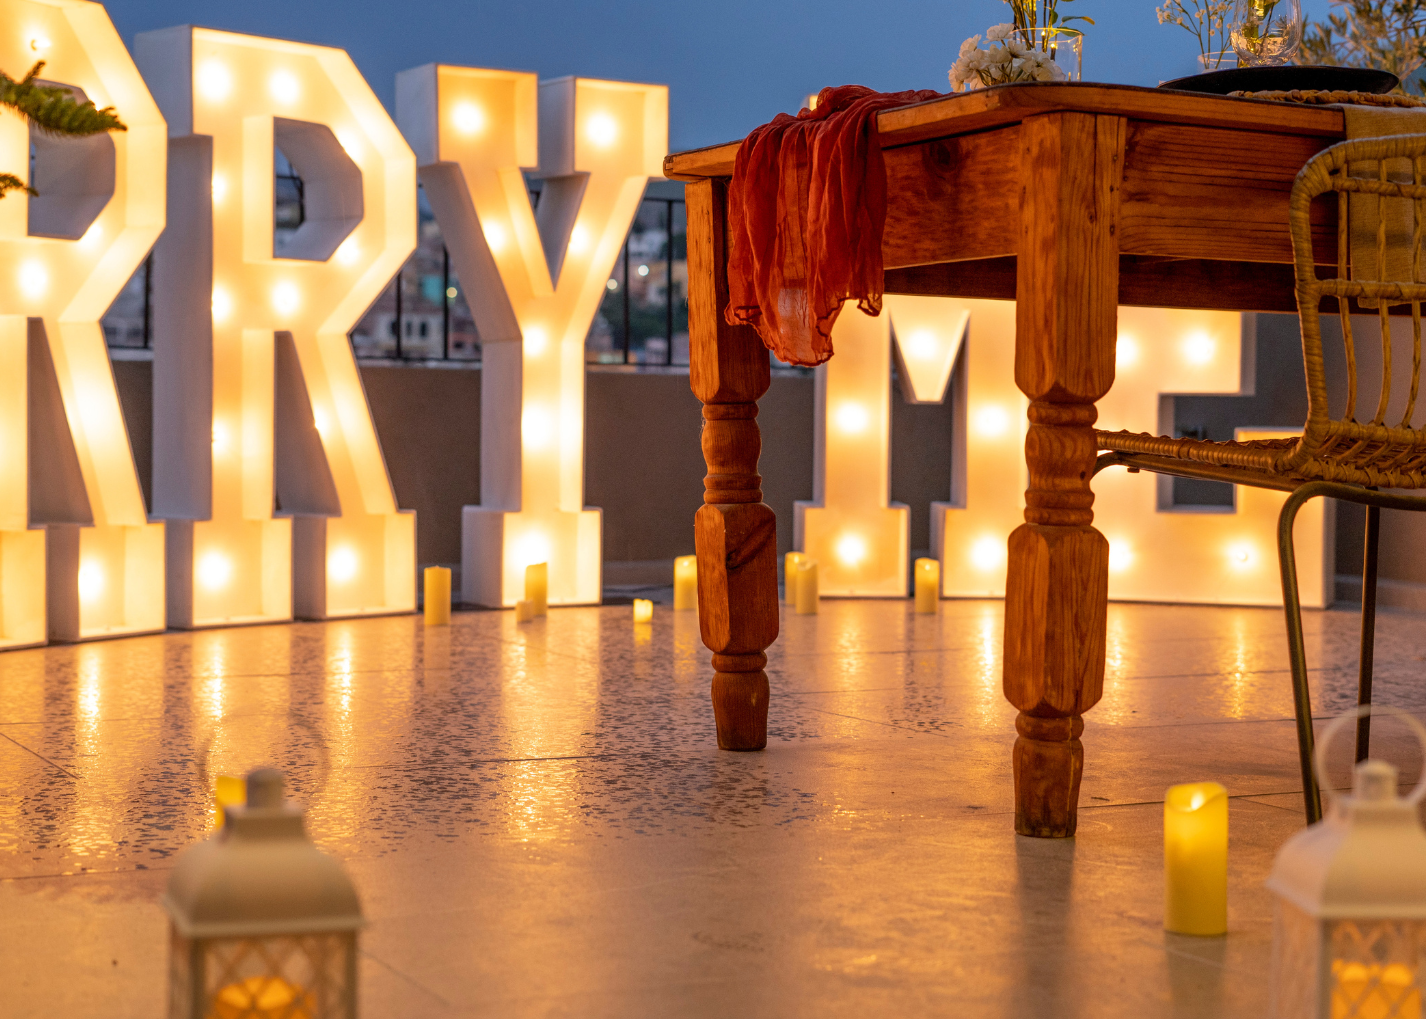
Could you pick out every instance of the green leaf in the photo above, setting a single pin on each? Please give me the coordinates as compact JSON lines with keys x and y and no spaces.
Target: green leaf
{"x":9,"y":182}
{"x":55,"y":110}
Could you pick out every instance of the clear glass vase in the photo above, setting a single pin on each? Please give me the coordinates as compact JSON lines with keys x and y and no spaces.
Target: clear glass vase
{"x":1065,"y":47}
{"x":1265,"y":32}
{"x":1217,"y":60}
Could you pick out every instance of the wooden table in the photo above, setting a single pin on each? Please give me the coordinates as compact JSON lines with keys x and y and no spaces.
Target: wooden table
{"x":1070,"y":199}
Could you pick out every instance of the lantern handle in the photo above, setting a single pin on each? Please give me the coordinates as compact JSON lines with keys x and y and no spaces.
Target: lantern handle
{"x":1337,"y":724}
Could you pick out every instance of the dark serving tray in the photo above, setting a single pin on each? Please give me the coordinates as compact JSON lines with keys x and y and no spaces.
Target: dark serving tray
{"x":1310,"y":77}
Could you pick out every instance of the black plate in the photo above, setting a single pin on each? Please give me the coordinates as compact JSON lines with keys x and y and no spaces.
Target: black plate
{"x":1311,"y":77}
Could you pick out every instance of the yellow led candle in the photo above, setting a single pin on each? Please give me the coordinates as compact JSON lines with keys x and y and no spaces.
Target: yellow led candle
{"x":928,"y":586}
{"x":807,"y":592}
{"x":537,"y":586}
{"x":789,"y":576}
{"x":524,"y":611}
{"x":1196,"y":859}
{"x":643,"y":610}
{"x":438,"y":595}
{"x":685,"y":582}
{"x":263,"y":998}
{"x":228,"y":791}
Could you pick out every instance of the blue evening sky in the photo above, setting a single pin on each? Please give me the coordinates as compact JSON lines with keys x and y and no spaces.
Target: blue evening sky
{"x":729,"y":65}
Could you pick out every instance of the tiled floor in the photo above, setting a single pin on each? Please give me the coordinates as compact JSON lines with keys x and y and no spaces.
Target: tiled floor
{"x":541,"y":825}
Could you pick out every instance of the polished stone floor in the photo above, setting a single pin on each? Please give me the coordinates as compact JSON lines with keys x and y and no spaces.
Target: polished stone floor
{"x":541,"y":825}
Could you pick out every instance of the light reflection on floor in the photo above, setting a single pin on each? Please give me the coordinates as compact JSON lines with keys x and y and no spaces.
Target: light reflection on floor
{"x":540,"y":822}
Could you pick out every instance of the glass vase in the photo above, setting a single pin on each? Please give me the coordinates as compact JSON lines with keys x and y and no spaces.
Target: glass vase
{"x":1064,"y":47}
{"x":1217,"y":60}
{"x":1265,"y":33}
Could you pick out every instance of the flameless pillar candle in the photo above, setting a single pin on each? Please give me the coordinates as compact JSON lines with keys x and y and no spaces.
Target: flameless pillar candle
{"x":262,"y":998}
{"x":438,"y":596}
{"x":524,"y":611}
{"x":789,"y":576}
{"x":685,"y":582}
{"x":537,"y":586}
{"x":1196,"y":859}
{"x":806,"y":596}
{"x":228,"y":791}
{"x":643,"y":610}
{"x":928,"y":586}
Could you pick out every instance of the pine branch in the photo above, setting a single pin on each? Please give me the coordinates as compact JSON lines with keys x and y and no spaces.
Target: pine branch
{"x":54,"y":110}
{"x":9,"y":182}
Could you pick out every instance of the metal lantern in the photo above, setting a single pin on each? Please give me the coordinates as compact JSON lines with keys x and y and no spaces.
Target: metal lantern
{"x":264,"y":924}
{"x":1349,"y":926}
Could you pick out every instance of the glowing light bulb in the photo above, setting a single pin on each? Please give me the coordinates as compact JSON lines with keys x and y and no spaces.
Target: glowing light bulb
{"x":852,"y":418}
{"x":319,"y":421}
{"x":468,"y":118}
{"x":284,"y":87}
{"x":220,"y":437}
{"x":342,"y":564}
{"x":92,"y":236}
{"x":992,"y":420}
{"x":40,"y":43}
{"x":1121,"y":556}
{"x":851,"y":549}
{"x":34,"y":279}
{"x":214,"y":571}
{"x":987,"y":553}
{"x":348,"y":251}
{"x":578,"y":240}
{"x":920,"y":345}
{"x":215,"y":81}
{"x":530,"y":550}
{"x":222,"y":305}
{"x":220,"y":188}
{"x":286,"y":299}
{"x":1126,"y":352}
{"x":1242,"y":555}
{"x":494,"y":237}
{"x":601,"y":129}
{"x":536,"y":429}
{"x":1199,"y":348}
{"x":643,"y":270}
{"x":91,"y":581}
{"x":350,"y":143}
{"x":536,"y":341}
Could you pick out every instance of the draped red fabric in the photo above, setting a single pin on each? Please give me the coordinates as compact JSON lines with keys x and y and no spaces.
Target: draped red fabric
{"x":806,"y":210}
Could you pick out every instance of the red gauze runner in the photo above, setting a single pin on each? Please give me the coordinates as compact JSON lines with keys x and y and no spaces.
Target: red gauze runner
{"x":806,"y":210}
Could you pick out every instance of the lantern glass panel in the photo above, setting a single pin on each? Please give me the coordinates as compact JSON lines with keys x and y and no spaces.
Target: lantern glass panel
{"x":304,"y":976}
{"x":1377,"y":966}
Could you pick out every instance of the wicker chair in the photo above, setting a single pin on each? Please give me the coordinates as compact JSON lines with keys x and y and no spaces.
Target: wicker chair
{"x":1337,"y":456}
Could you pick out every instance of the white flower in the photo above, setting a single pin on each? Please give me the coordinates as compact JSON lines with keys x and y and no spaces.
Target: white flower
{"x":1017,"y":46}
{"x":997,"y":33}
{"x":970,"y":45}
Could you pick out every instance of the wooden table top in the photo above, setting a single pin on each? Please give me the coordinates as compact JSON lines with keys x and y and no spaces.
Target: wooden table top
{"x":1001,"y":105}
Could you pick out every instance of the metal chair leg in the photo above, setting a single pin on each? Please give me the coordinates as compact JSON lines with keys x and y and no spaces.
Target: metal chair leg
{"x":1297,"y":650}
{"x":1364,"y":675}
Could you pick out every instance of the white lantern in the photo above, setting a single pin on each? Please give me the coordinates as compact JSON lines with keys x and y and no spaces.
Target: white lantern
{"x":264,"y":924}
{"x":1349,"y":927}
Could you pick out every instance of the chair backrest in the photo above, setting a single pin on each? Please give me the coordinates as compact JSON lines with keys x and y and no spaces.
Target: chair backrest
{"x":1381,"y":219}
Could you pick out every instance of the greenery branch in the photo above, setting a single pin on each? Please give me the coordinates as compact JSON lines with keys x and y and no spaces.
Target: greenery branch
{"x":1205,"y":20}
{"x":1389,"y":35}
{"x":1032,"y":15}
{"x":53,"y":110}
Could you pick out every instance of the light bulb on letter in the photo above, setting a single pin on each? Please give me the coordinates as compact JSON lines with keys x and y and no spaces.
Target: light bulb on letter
{"x":535,"y":341}
{"x":536,"y":428}
{"x":987,"y":553}
{"x":578,"y":240}
{"x":992,"y":420}
{"x":284,"y":87}
{"x":1126,"y":352}
{"x":215,"y":81}
{"x":34,"y":279}
{"x":285,"y":298}
{"x":530,"y":550}
{"x":851,"y":549}
{"x":342,"y":564}
{"x":1241,"y":555}
{"x":349,"y":251}
{"x":91,"y":581}
{"x":852,"y":418}
{"x":220,"y":188}
{"x":494,"y":237}
{"x":1121,"y":556}
{"x":921,"y":344}
{"x":214,"y":571}
{"x":220,"y":438}
{"x":222,"y":305}
{"x":468,"y":118}
{"x":1199,"y":348}
{"x":601,"y":130}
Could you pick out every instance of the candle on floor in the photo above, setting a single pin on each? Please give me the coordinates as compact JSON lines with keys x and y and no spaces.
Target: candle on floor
{"x":807,"y":594}
{"x":1196,"y":859}
{"x":685,"y":582}
{"x":928,"y":586}
{"x":438,"y":595}
{"x":643,"y":610}
{"x":537,"y":588}
{"x":262,"y":998}
{"x":524,"y":610}
{"x":789,"y":576}
{"x":228,"y":791}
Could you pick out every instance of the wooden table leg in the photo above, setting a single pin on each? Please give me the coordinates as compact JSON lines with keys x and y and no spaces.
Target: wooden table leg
{"x":735,"y":533}
{"x":1057,"y":588}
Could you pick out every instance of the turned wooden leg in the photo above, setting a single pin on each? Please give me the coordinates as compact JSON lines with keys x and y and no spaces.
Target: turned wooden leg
{"x":735,"y":533}
{"x":1057,"y":588}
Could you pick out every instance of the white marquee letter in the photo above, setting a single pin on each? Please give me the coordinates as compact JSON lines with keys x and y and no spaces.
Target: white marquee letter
{"x":249,"y":327}
{"x":535,"y":280}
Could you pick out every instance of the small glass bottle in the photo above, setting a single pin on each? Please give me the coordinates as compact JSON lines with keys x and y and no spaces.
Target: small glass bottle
{"x":1265,"y":33}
